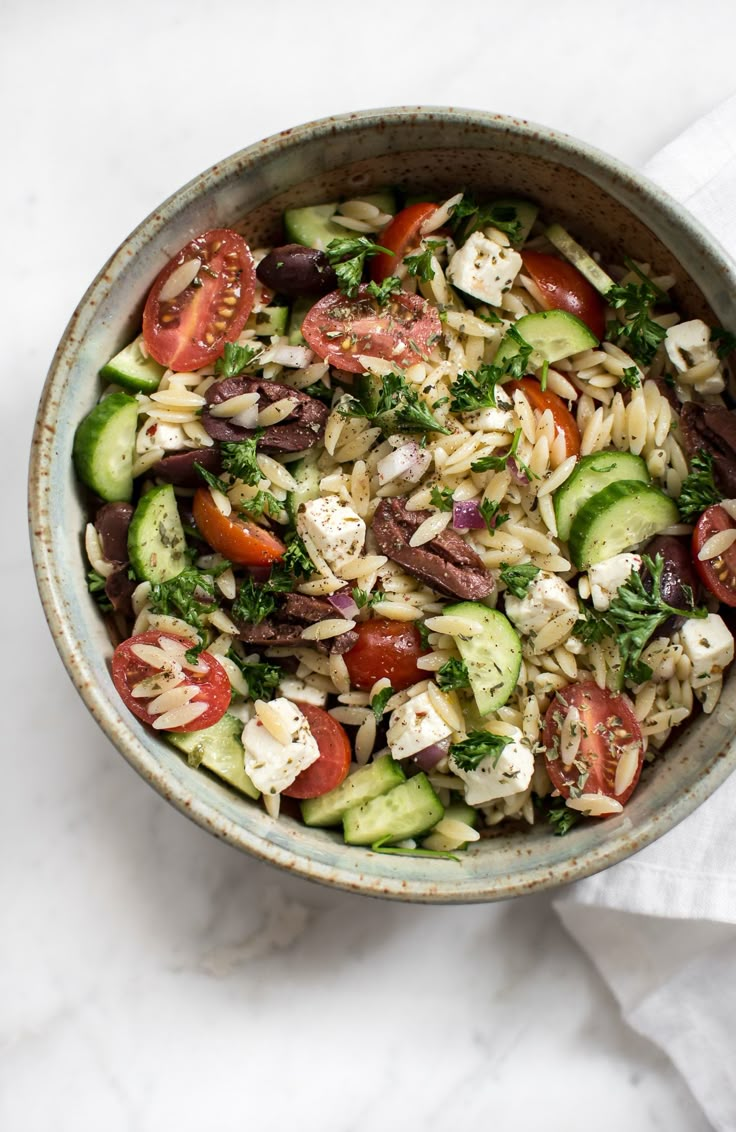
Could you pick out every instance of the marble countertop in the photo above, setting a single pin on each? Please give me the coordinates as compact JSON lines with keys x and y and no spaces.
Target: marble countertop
{"x":152,"y":977}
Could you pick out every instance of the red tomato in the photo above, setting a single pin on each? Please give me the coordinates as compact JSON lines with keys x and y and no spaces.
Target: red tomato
{"x":718,"y":574}
{"x":332,"y":766}
{"x":207,"y":675}
{"x":565,"y":289}
{"x":191,"y":328}
{"x":239,"y":540}
{"x":387,"y":649}
{"x":402,"y":331}
{"x":399,"y":235}
{"x":607,"y":728}
{"x":541,"y":399}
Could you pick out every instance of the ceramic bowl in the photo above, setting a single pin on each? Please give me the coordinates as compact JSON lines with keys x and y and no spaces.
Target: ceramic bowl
{"x":608,"y":207}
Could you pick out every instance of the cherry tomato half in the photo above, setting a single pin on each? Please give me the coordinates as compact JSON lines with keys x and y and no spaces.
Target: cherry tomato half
{"x":541,"y":399}
{"x":607,"y":729}
{"x":331,"y":768}
{"x":338,"y":329}
{"x":189,"y":329}
{"x":161,"y":663}
{"x":239,"y":540}
{"x":401,"y":234}
{"x":387,"y":649}
{"x":718,"y":574}
{"x":563,"y":288}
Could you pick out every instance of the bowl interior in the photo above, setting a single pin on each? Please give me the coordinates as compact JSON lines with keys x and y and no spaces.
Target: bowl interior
{"x":607,"y":208}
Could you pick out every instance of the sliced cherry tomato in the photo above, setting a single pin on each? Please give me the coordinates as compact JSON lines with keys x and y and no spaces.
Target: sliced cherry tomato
{"x":399,"y":235}
{"x":331,"y":768}
{"x":541,"y":399}
{"x":563,"y":288}
{"x":191,"y":328}
{"x":718,"y":574}
{"x":206,"y":675}
{"x":607,"y":728}
{"x":339,"y":329}
{"x":387,"y":649}
{"x":239,"y":540}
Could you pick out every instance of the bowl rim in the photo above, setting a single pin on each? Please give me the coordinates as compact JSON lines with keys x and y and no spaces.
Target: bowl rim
{"x":444,"y":888}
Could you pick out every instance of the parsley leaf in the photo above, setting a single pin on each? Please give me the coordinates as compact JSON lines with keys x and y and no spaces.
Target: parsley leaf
{"x":253,"y":602}
{"x":348,"y":254}
{"x":453,"y":675}
{"x":630,"y":378}
{"x":234,"y":359}
{"x":365,"y":600}
{"x":479,"y":745}
{"x":420,"y":265}
{"x":517,"y":579}
{"x":262,"y":503}
{"x":423,"y":633}
{"x":319,"y":391}
{"x":262,"y":678}
{"x":397,"y":408}
{"x":382,"y":292}
{"x":475,"y":389}
{"x":297,"y":560}
{"x":189,"y":595}
{"x":699,"y":488}
{"x":489,"y":509}
{"x":379,"y":701}
{"x":239,"y":459}
{"x":469,"y":216}
{"x":725,"y":339}
{"x":498,"y":463}
{"x":212,"y":480}
{"x":96,"y":586}
{"x":562,"y":819}
{"x":441,"y":498}
{"x":639,"y":333}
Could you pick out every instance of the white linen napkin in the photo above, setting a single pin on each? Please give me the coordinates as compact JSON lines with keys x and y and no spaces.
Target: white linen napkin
{"x":661,"y":927}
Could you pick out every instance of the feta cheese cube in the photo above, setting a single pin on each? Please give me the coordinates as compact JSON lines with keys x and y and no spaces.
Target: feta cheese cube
{"x":270,"y":764}
{"x":709,"y":645}
{"x":606,"y":577}
{"x":292,"y":688}
{"x":414,"y":726}
{"x":336,"y":530}
{"x":498,"y":776}
{"x":548,"y":604}
{"x":484,"y":269}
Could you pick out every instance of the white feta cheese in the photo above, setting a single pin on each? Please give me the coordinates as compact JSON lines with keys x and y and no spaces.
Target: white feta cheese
{"x":484,"y":269}
{"x":337,"y":531}
{"x":414,"y":726}
{"x":498,"y":776}
{"x":548,"y":604}
{"x":270,"y":764}
{"x":709,"y":645}
{"x":292,"y":688}
{"x":688,"y":344}
{"x":606,"y":577}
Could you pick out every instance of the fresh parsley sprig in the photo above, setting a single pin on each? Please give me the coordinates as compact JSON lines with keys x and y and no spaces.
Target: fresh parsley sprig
{"x":441,"y":498}
{"x":348,"y":254}
{"x":493,"y":516}
{"x":235,"y":359}
{"x":467,"y":216}
{"x":498,"y":463}
{"x":638,"y":332}
{"x":630,"y":378}
{"x":379,"y":701}
{"x":453,"y":675}
{"x":253,"y":602}
{"x":262,"y":678}
{"x":517,"y":579}
{"x":726,"y":341}
{"x":239,"y":459}
{"x":397,"y":408}
{"x":382,"y":292}
{"x":699,"y":489}
{"x":420,"y":265}
{"x":479,"y":745}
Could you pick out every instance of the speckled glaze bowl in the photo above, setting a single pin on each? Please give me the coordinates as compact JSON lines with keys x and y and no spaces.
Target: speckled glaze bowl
{"x":608,"y":207}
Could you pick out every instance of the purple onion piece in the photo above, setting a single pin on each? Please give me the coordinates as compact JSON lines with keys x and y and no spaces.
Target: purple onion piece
{"x":466,"y":516}
{"x":344,"y":605}
{"x":517,"y":474}
{"x":430,"y":756}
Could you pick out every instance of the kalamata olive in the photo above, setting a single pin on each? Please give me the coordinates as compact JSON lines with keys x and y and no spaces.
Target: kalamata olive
{"x":294,"y":270}
{"x":679,"y":584}
{"x":713,"y":428}
{"x":111,"y":523}
{"x":179,"y":468}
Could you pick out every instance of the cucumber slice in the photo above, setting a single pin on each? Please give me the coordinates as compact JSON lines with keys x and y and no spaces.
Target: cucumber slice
{"x":156,"y":542}
{"x":299,"y":312}
{"x":307,"y":475}
{"x":132,"y":369}
{"x":579,"y":258}
{"x":104,"y":447}
{"x":220,"y":749}
{"x":622,"y":515}
{"x":591,"y":475}
{"x":364,"y":784}
{"x":526,"y":214}
{"x":492,"y":655}
{"x":552,"y":334}
{"x":406,"y":811}
{"x":313,"y":226}
{"x":271,"y":320}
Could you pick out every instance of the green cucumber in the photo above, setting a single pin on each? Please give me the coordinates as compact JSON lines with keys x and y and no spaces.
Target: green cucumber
{"x":525,"y":215}
{"x":307,"y":475}
{"x":218,"y":748}
{"x":134,"y":370}
{"x":492,"y":655}
{"x":460,"y":811}
{"x":620,"y":516}
{"x":156,"y":543}
{"x":553,"y":335}
{"x":364,"y":784}
{"x":269,"y":321}
{"x":590,"y":476}
{"x":313,"y":225}
{"x":104,"y":447}
{"x":299,"y":311}
{"x":579,"y":258}
{"x":406,"y":811}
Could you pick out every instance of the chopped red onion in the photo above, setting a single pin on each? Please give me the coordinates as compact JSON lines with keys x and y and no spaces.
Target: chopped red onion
{"x":430,"y":756}
{"x":344,"y":604}
{"x":517,"y":474}
{"x":466,"y":516}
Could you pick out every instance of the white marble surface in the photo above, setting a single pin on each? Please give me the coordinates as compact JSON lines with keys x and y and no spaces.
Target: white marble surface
{"x":142,"y":986}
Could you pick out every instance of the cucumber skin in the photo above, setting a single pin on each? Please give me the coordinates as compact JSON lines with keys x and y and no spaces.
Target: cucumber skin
{"x":110,"y":477}
{"x":145,"y":531}
{"x":313,"y":227}
{"x":480,"y":666}
{"x":134,"y":372}
{"x":635,"y":469}
{"x":588,"y":544}
{"x":221,"y":751}
{"x":416,"y":808}
{"x":269,"y":321}
{"x":368,"y":782}
{"x":576,"y":254}
{"x":528,"y":327}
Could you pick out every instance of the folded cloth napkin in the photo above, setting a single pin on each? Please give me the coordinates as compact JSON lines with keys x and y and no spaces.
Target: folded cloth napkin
{"x":661,"y":927}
